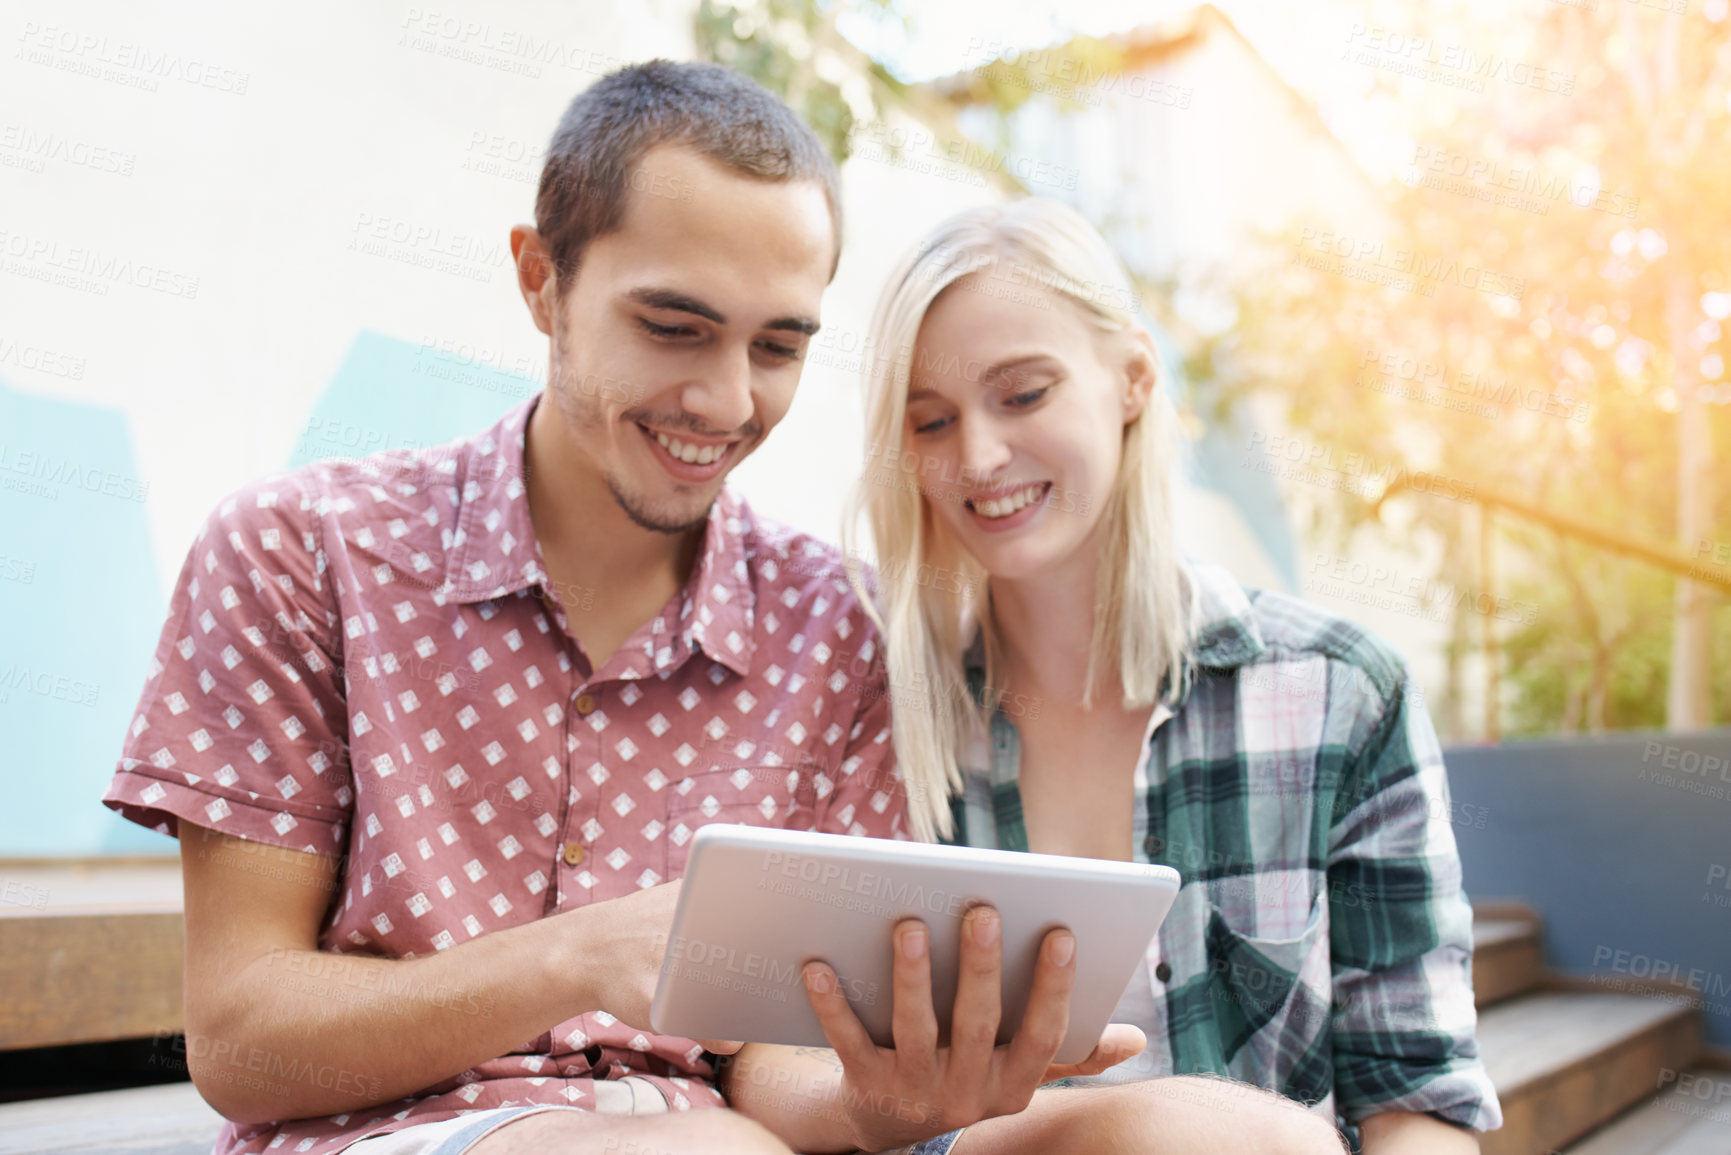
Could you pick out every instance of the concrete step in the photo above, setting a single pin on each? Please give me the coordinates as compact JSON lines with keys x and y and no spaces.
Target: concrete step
{"x":167,"y":1120}
{"x":1690,"y":1115}
{"x":1508,"y":952}
{"x":1565,"y":1062}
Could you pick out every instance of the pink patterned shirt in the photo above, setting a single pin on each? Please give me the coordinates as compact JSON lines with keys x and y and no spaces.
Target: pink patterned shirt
{"x":358,"y":661}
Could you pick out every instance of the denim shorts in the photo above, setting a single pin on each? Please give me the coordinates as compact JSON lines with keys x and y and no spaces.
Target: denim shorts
{"x":448,"y":1136}
{"x":936,"y":1145}
{"x":455,"y":1136}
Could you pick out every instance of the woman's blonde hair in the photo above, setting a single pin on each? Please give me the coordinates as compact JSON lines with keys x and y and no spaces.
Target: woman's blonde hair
{"x":931,"y":591}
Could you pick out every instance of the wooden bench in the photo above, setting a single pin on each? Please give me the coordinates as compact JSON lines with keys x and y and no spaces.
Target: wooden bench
{"x":92,"y":952}
{"x":89,"y":951}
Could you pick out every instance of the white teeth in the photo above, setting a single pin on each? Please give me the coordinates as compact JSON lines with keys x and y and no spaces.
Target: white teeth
{"x":691,"y":454}
{"x":1005,"y":506}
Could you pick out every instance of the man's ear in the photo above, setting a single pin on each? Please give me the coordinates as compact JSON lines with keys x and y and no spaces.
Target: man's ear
{"x":1141,"y":372}
{"x":535,"y":277}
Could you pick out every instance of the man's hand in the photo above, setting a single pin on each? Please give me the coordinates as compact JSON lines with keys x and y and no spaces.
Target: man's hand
{"x":891,"y":1096}
{"x":261,"y":996}
{"x":642,"y":926}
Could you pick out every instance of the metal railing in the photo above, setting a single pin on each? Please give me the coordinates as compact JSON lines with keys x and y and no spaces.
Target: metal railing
{"x":1489,"y":498}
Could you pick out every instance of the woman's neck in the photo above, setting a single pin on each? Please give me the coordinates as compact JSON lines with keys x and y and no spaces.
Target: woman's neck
{"x":1046,"y":627}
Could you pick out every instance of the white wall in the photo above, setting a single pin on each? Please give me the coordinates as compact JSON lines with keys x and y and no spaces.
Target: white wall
{"x":266,"y":142}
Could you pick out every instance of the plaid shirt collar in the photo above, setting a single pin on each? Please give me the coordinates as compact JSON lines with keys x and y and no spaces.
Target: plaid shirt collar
{"x":1226,"y":637}
{"x":716,"y":609}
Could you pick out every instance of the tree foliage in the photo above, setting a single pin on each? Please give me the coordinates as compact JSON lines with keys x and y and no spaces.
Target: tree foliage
{"x":1541,"y":310}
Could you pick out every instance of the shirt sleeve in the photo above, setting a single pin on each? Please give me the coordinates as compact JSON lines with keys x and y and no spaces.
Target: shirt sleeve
{"x":1401,"y":932}
{"x":242,"y":725}
{"x":868,"y":798}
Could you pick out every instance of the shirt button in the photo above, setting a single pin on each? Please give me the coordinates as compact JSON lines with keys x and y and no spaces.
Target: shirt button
{"x":585,"y":703}
{"x":573,"y":854}
{"x":1152,"y":845}
{"x":1163,"y":971}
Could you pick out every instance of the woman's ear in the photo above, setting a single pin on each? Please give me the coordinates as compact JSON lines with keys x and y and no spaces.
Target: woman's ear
{"x":1141,"y":372}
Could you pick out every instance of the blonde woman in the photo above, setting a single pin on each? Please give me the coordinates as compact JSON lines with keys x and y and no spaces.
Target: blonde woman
{"x":1075,"y":687}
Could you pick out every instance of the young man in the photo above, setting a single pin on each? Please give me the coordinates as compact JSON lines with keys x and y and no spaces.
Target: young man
{"x":435,"y":727}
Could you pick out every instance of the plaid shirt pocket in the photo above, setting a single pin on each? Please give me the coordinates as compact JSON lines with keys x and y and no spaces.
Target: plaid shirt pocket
{"x":1271,"y":1000}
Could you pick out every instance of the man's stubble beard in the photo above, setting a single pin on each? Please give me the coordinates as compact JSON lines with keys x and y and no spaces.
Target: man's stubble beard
{"x":586,"y":420}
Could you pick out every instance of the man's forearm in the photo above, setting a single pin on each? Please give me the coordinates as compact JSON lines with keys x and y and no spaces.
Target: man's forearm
{"x":316,"y":1033}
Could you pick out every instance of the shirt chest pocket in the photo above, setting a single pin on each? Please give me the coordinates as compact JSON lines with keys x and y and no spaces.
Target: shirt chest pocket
{"x":1271,"y":999}
{"x":781,"y":797}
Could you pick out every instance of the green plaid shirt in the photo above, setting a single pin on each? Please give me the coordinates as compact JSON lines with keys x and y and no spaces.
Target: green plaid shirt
{"x":1321,"y":945}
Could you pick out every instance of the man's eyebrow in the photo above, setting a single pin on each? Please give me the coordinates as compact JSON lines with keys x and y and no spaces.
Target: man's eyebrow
{"x":681,"y":303}
{"x":677,"y":301}
{"x":795,"y":324}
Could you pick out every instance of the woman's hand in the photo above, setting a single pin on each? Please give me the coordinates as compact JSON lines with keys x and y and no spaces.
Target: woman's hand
{"x":916,"y":1089}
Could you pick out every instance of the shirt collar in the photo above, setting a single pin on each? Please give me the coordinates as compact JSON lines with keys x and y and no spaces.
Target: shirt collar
{"x":1227,"y":635}
{"x":1226,"y":632}
{"x":717,"y":610}
{"x":493,"y":552}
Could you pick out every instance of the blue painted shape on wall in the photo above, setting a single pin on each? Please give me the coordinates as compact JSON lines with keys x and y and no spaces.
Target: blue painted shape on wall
{"x":80,"y":602}
{"x":1217,"y":461}
{"x":80,"y":609}
{"x":391,"y":394}
{"x":1614,"y":840}
{"x":1220,"y":466}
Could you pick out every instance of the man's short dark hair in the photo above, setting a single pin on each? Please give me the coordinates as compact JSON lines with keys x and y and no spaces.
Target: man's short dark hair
{"x":608,"y":128}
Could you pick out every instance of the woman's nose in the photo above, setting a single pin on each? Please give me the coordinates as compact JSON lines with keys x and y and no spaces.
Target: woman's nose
{"x":984,"y":450}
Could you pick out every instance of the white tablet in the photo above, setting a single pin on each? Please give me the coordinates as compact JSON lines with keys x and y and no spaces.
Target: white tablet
{"x":759,"y":903}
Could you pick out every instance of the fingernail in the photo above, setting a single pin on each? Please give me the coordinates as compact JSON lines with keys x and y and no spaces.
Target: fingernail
{"x":914,"y":942}
{"x":1063,"y":949}
{"x":985,"y":927}
{"x":817,"y":979}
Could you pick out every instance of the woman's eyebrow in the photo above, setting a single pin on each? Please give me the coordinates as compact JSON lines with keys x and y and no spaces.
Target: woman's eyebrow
{"x":918,"y":391}
{"x":682,"y":303}
{"x":1012,"y":364}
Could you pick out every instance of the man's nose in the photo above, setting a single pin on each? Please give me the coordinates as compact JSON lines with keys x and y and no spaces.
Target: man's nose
{"x":722,"y":399}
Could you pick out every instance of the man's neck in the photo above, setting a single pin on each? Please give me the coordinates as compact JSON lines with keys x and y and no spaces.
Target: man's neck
{"x":586,"y":539}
